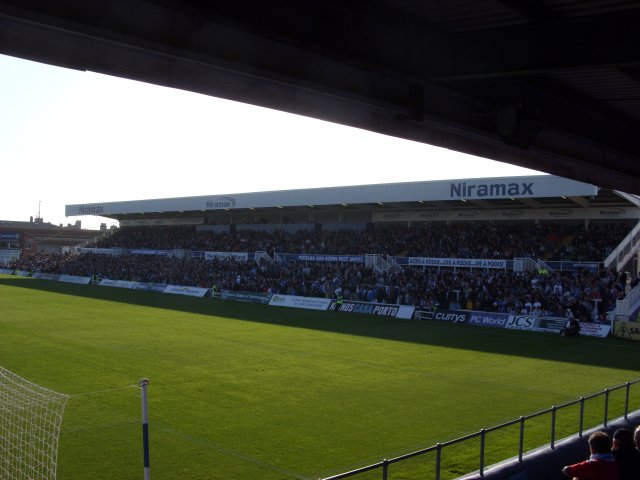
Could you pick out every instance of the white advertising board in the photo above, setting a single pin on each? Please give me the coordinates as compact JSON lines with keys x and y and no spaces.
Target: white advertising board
{"x":309,"y":303}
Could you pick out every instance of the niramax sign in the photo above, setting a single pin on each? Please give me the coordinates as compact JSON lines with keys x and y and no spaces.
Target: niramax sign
{"x":519,"y":187}
{"x":536,"y":186}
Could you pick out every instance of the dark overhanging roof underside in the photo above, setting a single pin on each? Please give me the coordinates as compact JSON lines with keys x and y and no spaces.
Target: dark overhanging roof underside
{"x":551,"y":85}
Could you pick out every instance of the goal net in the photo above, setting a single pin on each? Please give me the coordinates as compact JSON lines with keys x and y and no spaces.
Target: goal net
{"x":30,"y":418}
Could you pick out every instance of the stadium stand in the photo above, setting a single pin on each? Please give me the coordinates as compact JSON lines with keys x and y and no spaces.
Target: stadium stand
{"x":535,"y":245}
{"x":589,"y":293}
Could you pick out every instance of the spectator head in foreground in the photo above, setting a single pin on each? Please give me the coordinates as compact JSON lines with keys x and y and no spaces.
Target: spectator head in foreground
{"x":600,"y":443}
{"x":600,"y":465}
{"x":622,"y":438}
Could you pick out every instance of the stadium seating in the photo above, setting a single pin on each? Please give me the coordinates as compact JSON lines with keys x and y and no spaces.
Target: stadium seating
{"x":590,"y":294}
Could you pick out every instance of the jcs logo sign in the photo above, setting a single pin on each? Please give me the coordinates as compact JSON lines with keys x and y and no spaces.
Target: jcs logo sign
{"x":520,"y":322}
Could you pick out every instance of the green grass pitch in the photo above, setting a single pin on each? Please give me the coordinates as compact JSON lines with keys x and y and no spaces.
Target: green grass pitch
{"x":240,"y":391}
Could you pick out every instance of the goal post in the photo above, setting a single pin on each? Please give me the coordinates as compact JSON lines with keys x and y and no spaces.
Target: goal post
{"x":30,"y":419}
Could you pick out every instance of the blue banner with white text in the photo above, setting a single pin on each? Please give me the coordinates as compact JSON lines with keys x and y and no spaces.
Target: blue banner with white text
{"x":295,"y":257}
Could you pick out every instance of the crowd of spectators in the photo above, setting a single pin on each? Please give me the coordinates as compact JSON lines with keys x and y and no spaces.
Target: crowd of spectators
{"x":554,"y":241}
{"x":588,"y":294}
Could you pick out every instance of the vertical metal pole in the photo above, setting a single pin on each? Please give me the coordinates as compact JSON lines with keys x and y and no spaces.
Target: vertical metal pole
{"x":606,"y":406}
{"x":581,"y":416}
{"x":521,"y":445}
{"x":385,"y":469}
{"x":438,"y":459}
{"x":626,"y":402}
{"x":145,"y":426}
{"x":482,"y":438}
{"x":553,"y":427}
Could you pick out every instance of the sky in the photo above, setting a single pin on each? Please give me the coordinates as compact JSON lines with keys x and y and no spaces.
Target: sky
{"x":70,"y":137}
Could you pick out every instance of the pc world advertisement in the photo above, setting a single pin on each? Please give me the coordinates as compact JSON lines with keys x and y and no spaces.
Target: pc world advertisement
{"x":488,"y":319}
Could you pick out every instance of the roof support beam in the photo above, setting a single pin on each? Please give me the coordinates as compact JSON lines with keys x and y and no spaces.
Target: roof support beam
{"x":581,"y":201}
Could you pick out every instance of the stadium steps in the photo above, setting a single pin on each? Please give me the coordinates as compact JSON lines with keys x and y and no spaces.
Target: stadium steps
{"x":628,"y":307}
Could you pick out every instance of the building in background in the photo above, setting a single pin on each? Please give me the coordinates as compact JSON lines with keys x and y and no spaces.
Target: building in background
{"x":19,"y":239}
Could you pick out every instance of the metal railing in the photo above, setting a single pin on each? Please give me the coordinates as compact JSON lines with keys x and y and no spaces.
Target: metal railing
{"x":540,"y":264}
{"x":524,"y":265}
{"x":438,"y":449}
{"x":626,"y":306}
{"x":373,"y":260}
{"x":262,"y":255}
{"x":394,"y":263}
{"x":625,"y":249}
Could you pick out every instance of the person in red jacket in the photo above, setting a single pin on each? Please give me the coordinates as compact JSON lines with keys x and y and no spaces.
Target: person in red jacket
{"x":600,"y":465}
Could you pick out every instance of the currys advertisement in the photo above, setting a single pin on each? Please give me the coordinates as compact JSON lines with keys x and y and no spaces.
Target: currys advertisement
{"x":453,"y":316}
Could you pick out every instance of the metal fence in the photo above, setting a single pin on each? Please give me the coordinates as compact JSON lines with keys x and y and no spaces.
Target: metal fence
{"x":624,"y":396}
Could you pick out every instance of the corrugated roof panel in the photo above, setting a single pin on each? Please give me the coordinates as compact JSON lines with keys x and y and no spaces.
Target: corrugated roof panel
{"x":574,"y":8}
{"x":608,"y":86}
{"x":460,"y":15}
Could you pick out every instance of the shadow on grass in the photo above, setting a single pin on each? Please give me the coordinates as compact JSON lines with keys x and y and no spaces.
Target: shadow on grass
{"x":608,"y":352}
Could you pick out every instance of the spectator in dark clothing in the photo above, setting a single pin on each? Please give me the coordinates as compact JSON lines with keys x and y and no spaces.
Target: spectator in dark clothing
{"x":625,"y":454}
{"x":572,"y":327}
